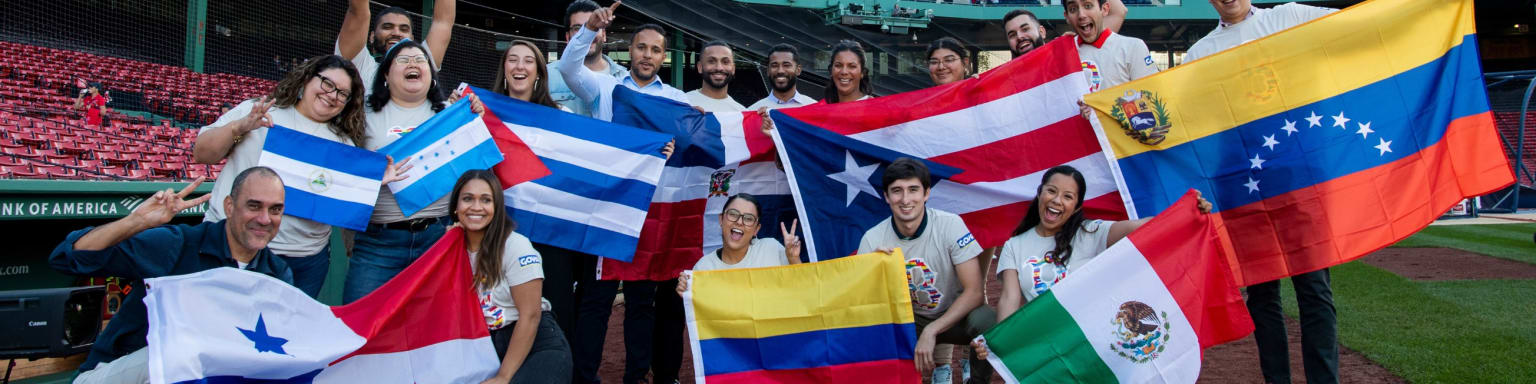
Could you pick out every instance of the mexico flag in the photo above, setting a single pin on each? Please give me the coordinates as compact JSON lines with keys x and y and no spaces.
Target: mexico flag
{"x":1142,"y":311}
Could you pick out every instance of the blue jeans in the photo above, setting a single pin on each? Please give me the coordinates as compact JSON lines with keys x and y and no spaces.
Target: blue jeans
{"x":379,"y":254}
{"x":309,"y":271}
{"x":549,"y":361}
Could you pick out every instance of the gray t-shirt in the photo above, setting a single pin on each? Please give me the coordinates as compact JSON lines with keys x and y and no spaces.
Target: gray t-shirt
{"x":520,"y":263}
{"x":761,"y":253}
{"x":296,"y":236}
{"x":384,"y":127}
{"x":942,"y":242}
{"x":1026,"y":252}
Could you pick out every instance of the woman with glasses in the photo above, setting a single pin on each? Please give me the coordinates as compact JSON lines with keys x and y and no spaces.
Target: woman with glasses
{"x":741,"y":248}
{"x":948,"y":61}
{"x":405,"y":94}
{"x":321,"y":98}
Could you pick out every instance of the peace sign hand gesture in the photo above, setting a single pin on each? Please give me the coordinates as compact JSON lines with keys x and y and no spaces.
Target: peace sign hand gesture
{"x":164,"y":205}
{"x":791,"y":242}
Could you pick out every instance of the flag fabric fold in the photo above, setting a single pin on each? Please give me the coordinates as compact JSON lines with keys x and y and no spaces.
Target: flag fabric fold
{"x":229,"y":325}
{"x":1003,"y":128}
{"x":1141,"y":311}
{"x":717,"y":155}
{"x":323,"y":180}
{"x":840,"y":321}
{"x":452,"y":142}
{"x":1314,"y":157}
{"x":600,"y":176}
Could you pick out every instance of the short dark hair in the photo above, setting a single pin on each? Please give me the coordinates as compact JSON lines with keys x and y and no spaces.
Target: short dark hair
{"x":714,"y":43}
{"x":794,"y":53}
{"x":576,"y":7}
{"x":381,"y":93}
{"x":947,"y":43}
{"x":905,"y":168}
{"x":654,"y":27}
{"x":1020,"y":12}
{"x":239,"y":184}
{"x":1064,"y":4}
{"x":747,"y":197}
{"x":389,"y":10}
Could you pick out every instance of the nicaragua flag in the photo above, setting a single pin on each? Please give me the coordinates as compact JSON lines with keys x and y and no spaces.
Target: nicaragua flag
{"x":1140,"y":312}
{"x":1313,"y":158}
{"x":717,"y":155}
{"x":323,"y":180}
{"x":600,"y":180}
{"x":230,"y":325}
{"x":454,"y":141}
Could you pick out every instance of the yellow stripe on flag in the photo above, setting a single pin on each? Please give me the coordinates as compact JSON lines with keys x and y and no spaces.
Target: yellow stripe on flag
{"x":853,"y":291}
{"x":1337,"y":53}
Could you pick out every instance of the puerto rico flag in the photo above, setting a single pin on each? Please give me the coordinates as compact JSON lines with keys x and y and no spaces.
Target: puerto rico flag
{"x":717,"y":155}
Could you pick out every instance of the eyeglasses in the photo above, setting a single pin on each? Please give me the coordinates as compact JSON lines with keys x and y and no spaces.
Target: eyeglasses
{"x":412,"y":59}
{"x":951,"y":59}
{"x":328,"y":86}
{"x":743,"y":218}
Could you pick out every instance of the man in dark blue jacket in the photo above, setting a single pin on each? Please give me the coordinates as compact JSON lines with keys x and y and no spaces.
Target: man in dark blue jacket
{"x":141,"y":246}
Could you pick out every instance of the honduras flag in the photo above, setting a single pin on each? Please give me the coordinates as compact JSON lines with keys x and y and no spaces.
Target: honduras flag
{"x":323,"y":180}
{"x":229,"y":325}
{"x":447,"y":145}
{"x":837,"y":184}
{"x":600,"y":180}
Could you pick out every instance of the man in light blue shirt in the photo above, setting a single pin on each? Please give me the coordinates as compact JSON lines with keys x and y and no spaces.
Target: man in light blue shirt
{"x":576,"y":16}
{"x":783,"y":73}
{"x":646,"y":51}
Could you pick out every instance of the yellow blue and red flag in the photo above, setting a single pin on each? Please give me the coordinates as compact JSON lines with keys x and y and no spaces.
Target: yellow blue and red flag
{"x":1318,"y":144}
{"x":847,"y":320}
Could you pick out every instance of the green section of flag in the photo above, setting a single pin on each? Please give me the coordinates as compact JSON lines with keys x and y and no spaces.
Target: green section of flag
{"x":1041,"y":343}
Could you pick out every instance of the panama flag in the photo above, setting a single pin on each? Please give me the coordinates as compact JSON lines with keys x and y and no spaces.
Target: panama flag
{"x":452,"y":142}
{"x":717,"y":155}
{"x":1003,"y":128}
{"x":323,"y":180}
{"x":1140,"y":312}
{"x":1314,"y":158}
{"x":599,"y":180}
{"x":231,"y":325}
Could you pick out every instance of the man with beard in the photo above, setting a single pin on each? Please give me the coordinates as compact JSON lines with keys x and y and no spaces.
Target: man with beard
{"x":576,"y":16}
{"x":389,"y":27}
{"x":717,"y":66}
{"x":646,"y":51}
{"x":783,"y":70}
{"x":1024,"y":32}
{"x":1109,"y":58}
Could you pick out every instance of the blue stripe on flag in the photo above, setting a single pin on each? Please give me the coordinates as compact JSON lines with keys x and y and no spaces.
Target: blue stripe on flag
{"x":699,"y":142}
{"x":576,"y":236}
{"x":513,"y":111}
{"x":341,"y":213}
{"x":323,"y":153}
{"x":453,"y":117}
{"x":304,"y":378}
{"x":438,"y":183}
{"x":809,"y":349}
{"x":596,"y":185}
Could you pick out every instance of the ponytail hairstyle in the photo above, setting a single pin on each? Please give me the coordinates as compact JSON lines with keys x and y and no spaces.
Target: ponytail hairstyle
{"x":1069,"y":229}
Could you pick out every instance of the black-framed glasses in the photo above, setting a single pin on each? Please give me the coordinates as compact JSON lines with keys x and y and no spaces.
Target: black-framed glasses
{"x":328,"y":86}
{"x":746,"y":219}
{"x":951,"y":59}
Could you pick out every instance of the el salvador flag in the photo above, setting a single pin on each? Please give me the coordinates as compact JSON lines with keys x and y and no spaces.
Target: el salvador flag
{"x":454,"y":141}
{"x":601,"y":177}
{"x":323,"y":180}
{"x":836,"y":182}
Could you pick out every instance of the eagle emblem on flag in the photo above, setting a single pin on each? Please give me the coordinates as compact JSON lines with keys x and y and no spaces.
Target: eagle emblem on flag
{"x":1143,"y":116}
{"x":1140,"y":333}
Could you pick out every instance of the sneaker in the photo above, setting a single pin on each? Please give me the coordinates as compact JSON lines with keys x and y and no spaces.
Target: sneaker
{"x":943,"y":375}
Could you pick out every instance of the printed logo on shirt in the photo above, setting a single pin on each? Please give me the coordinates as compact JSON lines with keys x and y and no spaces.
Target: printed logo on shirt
{"x":964,"y":240}
{"x":921,"y":284}
{"x":1091,"y":69}
{"x":401,"y":130}
{"x":1148,"y":60}
{"x":528,"y":260}
{"x":1041,"y":281}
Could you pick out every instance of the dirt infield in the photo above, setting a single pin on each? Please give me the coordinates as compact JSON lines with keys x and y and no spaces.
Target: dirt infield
{"x":1440,"y":264}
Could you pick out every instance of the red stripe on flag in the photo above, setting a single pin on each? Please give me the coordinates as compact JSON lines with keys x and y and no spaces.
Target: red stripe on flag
{"x":669,"y":243}
{"x":518,"y":162}
{"x":883,"y":371}
{"x":1043,"y":148}
{"x":993,"y":226}
{"x":430,"y":302}
{"x":1181,"y":244}
{"x":1340,"y":220}
{"x":758,"y":143}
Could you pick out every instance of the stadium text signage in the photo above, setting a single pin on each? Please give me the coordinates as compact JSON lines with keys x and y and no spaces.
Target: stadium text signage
{"x":75,"y":207}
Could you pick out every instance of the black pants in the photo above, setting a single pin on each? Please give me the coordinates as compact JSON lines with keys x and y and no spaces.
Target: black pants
{"x":1319,"y":329}
{"x":549,"y":361}
{"x":564,"y":273}
{"x":592,"y":328}
{"x":670,"y":321}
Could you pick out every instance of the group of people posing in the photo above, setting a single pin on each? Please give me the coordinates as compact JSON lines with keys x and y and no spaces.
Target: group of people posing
{"x":547,"y":314}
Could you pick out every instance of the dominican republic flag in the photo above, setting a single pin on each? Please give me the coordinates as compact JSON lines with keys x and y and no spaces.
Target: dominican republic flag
{"x":323,"y":180}
{"x":442,"y":148}
{"x":1141,"y":312}
{"x":1311,"y":169}
{"x":717,"y":155}
{"x":229,"y":325}
{"x":600,"y":176}
{"x":1004,"y":129}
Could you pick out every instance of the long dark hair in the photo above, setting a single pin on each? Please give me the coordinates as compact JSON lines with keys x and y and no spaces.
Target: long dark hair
{"x":380,"y":96}
{"x":540,"y":94}
{"x":1069,"y":229}
{"x":349,"y":123}
{"x":488,"y":261}
{"x":864,"y":86}
{"x":953,"y":46}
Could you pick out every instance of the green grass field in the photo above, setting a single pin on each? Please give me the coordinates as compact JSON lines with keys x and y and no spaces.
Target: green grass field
{"x":1443,"y":332}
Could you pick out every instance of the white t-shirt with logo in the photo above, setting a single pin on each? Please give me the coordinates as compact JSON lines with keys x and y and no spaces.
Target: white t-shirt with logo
{"x":384,"y":127}
{"x":1260,"y":22}
{"x":710,"y":104}
{"x":760,"y":253}
{"x":295,"y":236}
{"x":520,"y":263}
{"x":1114,"y":60}
{"x":1026,"y":253}
{"x":942,"y":242}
